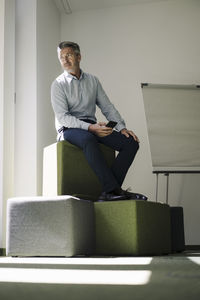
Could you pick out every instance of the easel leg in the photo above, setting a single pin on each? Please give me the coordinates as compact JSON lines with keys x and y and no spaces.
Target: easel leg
{"x":167,"y":188}
{"x":156,"y":187}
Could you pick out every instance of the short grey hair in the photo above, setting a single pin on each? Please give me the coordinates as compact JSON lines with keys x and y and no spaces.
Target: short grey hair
{"x":65,"y":44}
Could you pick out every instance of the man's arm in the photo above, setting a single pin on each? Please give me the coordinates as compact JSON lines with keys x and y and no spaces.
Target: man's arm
{"x":61,"y":110}
{"x":111,"y":112}
{"x":108,"y":109}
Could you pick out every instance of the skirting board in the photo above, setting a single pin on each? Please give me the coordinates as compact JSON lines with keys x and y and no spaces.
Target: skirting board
{"x":192,"y":247}
{"x":187,"y":247}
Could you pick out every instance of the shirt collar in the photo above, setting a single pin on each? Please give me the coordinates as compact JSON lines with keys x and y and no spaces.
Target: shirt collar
{"x":69,"y":76}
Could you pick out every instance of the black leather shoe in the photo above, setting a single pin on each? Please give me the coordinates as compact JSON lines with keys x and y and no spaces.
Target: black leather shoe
{"x":111,"y":197}
{"x":134,"y":196}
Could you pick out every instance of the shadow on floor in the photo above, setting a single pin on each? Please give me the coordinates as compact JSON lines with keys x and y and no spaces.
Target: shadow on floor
{"x":171,"y":277}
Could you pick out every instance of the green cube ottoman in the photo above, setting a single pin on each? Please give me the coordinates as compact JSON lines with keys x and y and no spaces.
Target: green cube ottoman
{"x":67,"y":172}
{"x":132,"y":227}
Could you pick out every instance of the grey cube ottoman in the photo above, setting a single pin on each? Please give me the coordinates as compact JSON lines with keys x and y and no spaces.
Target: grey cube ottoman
{"x":49,"y":226}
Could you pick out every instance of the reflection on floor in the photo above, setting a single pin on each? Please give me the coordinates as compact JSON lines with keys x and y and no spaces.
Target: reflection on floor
{"x":100,"y":278}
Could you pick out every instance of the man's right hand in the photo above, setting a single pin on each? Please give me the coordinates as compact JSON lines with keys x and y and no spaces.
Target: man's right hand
{"x":100,"y":129}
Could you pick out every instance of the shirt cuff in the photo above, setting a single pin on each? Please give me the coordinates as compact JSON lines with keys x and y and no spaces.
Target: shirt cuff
{"x":119,"y":127}
{"x":85,"y":125}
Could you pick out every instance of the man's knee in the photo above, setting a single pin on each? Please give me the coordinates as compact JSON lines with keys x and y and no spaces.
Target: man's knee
{"x":132,"y":145}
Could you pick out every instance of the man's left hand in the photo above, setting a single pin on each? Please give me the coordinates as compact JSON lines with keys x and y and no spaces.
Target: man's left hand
{"x":128,"y":133}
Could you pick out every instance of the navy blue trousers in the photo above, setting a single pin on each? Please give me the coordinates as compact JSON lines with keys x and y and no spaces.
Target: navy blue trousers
{"x":127,"y":148}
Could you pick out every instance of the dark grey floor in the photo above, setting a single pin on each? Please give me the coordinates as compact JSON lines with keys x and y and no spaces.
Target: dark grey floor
{"x":101,"y":278}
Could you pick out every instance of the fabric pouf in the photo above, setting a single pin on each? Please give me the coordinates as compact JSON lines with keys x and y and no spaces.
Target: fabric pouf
{"x":54,"y":226}
{"x":67,"y":172}
{"x":132,"y":227}
{"x":177,"y":229}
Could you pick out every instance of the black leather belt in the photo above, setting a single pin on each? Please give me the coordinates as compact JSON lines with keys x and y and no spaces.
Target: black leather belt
{"x":88,"y":121}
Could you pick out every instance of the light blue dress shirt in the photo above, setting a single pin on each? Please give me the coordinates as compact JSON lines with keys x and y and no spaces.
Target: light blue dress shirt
{"x":75,"y":99}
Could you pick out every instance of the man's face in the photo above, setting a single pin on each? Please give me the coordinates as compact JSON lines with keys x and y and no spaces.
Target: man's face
{"x":69,"y":60}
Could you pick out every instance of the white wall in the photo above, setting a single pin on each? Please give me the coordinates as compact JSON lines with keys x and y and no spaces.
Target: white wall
{"x":37,"y":35}
{"x":26,"y":99}
{"x":157,"y":43}
{"x":7,"y":88}
{"x":1,"y":110}
{"x":48,"y":37}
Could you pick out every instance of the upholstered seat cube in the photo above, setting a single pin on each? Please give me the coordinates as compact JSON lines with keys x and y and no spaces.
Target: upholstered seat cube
{"x":177,"y":229}
{"x":54,"y":226}
{"x":132,"y":227}
{"x":67,"y":172}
